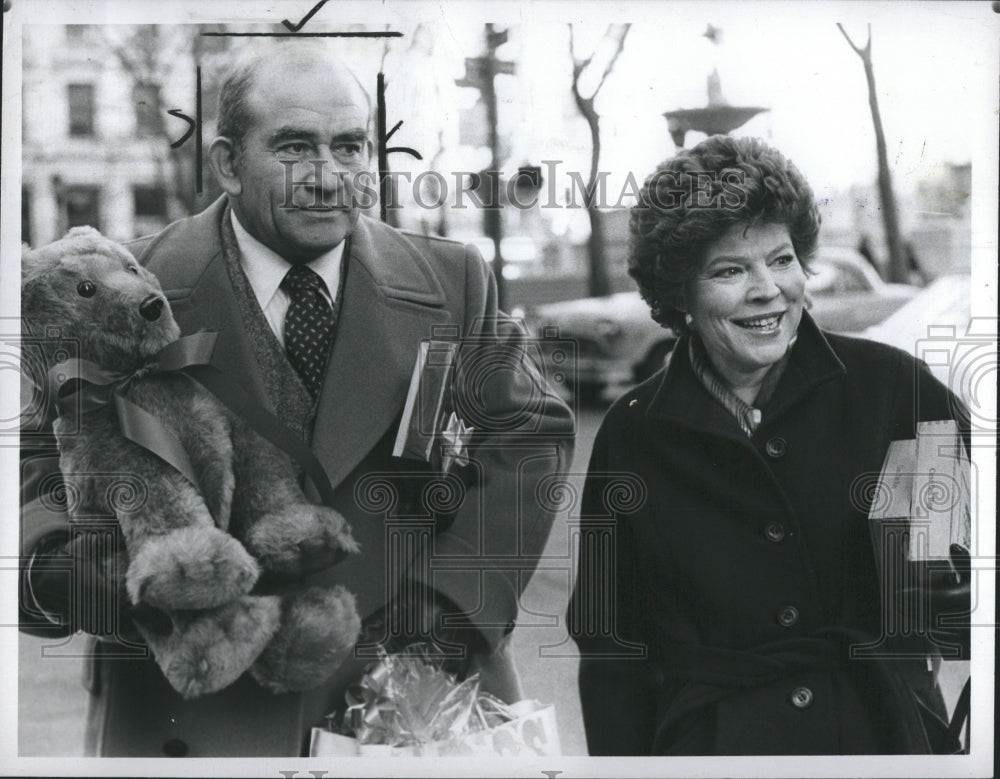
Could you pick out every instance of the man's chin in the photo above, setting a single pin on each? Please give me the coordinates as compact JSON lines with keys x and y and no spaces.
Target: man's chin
{"x":318,"y":233}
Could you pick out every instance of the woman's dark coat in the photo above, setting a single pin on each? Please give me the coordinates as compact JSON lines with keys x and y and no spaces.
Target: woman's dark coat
{"x":699,"y":543}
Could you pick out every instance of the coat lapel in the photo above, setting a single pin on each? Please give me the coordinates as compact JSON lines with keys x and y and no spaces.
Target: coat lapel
{"x":194,"y":278}
{"x":391,"y":302}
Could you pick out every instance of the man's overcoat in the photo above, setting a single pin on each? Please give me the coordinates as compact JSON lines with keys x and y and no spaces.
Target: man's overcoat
{"x":487,"y":532}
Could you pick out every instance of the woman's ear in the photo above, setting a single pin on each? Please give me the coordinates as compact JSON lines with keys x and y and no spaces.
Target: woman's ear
{"x":223,"y":157}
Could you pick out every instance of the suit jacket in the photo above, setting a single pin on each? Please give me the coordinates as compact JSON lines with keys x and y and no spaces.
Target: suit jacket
{"x":477,"y":546}
{"x":734,"y":571}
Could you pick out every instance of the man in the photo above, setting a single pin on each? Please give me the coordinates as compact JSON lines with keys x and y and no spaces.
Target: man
{"x":294,"y":130}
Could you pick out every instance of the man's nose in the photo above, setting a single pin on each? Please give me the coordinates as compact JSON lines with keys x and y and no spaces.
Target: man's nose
{"x":325,"y":172}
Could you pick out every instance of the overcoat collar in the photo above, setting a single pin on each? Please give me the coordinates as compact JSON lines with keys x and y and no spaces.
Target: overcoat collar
{"x":681,"y":399}
{"x":391,"y":301}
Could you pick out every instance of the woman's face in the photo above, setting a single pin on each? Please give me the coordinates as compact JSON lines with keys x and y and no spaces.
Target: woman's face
{"x":746,"y":300}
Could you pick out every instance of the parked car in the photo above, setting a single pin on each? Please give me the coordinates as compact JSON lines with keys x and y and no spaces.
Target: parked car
{"x":937,"y":327}
{"x":618,"y":343}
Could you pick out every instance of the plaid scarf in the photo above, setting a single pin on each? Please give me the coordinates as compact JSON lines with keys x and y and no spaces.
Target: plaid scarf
{"x":748,"y":417}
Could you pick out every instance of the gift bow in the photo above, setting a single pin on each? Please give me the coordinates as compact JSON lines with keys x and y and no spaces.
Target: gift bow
{"x":455,"y":442}
{"x":409,"y":699}
{"x":96,"y":387}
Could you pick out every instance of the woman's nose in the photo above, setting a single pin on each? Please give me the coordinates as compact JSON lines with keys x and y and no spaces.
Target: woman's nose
{"x":763,"y":284}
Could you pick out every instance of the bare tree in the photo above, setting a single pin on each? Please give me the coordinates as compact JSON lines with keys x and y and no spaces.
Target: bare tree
{"x":149,"y":55}
{"x":898,"y":266}
{"x":599,"y":282}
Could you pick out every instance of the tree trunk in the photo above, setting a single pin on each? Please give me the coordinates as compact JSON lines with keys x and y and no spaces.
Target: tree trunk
{"x":898,"y":268}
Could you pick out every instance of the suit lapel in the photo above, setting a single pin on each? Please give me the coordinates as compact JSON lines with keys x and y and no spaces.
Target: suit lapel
{"x":192,"y":271}
{"x":391,"y":302}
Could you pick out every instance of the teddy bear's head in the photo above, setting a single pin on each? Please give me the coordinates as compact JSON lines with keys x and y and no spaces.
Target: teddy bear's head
{"x":90,"y":291}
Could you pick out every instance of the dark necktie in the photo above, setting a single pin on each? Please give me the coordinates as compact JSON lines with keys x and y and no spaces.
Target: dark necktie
{"x":309,"y":325}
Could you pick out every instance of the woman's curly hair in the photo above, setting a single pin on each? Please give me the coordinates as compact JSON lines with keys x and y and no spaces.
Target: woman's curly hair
{"x":689,"y":201}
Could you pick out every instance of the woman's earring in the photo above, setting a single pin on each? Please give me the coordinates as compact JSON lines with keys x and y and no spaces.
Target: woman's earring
{"x":689,"y":321}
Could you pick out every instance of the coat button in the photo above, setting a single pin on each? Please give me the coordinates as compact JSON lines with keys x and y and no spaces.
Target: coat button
{"x":175,"y":748}
{"x":775,"y":447}
{"x":788,"y":616}
{"x":774,"y":532}
{"x":802,"y":697}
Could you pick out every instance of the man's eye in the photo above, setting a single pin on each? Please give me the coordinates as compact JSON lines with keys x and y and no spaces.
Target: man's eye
{"x":296,"y":150}
{"x":349,"y":149}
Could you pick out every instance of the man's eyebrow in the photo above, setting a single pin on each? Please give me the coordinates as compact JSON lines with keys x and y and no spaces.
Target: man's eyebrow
{"x":358,"y":134}
{"x":289,"y":133}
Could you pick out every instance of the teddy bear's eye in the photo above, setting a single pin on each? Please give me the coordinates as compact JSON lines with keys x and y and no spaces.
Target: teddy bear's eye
{"x":133,"y":269}
{"x":86,"y":289}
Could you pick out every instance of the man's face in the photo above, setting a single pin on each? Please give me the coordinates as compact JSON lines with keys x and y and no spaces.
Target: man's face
{"x":308,"y":138}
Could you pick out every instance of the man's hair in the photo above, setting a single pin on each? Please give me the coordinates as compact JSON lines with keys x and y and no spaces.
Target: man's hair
{"x":234,"y":115}
{"x":689,"y":201}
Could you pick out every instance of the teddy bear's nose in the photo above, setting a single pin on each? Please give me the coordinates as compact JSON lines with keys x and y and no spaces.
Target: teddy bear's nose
{"x":151,"y":308}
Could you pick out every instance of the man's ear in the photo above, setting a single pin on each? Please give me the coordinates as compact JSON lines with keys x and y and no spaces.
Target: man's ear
{"x":222,"y":156}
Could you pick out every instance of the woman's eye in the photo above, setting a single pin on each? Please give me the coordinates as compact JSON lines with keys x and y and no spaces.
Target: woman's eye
{"x":86,"y":289}
{"x":784,"y":260}
{"x":728,"y":273}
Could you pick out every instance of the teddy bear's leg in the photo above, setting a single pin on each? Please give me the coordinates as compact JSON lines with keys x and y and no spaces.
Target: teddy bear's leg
{"x":300,"y":539}
{"x":197,"y":567}
{"x":210,"y":650}
{"x":288,"y":534}
{"x":319,"y":627}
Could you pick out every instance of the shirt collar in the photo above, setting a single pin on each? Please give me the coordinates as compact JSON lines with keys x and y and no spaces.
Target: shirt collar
{"x":265,"y":268}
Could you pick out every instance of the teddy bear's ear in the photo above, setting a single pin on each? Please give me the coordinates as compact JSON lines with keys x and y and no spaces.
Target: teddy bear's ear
{"x":84,"y":230}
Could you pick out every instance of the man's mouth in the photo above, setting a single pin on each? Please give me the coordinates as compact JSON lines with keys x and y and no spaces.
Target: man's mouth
{"x":761,"y":324}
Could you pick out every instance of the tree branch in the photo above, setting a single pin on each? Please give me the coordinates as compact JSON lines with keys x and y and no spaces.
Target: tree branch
{"x":614,"y":58}
{"x":864,"y":53}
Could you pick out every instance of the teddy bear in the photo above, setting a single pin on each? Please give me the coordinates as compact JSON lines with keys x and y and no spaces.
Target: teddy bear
{"x":194,"y":551}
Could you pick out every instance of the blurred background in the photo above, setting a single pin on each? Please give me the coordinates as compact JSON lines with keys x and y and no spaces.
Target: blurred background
{"x":572,"y":116}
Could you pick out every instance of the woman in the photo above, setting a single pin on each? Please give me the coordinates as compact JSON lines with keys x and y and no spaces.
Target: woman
{"x":726,"y":563}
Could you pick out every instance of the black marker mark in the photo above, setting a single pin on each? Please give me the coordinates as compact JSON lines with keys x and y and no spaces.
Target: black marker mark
{"x":193,"y":124}
{"x":191,"y":127}
{"x":308,"y":16}
{"x":302,"y":34}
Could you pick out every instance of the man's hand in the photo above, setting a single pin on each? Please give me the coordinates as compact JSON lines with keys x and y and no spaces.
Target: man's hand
{"x":418,"y":617}
{"x":78,"y":584}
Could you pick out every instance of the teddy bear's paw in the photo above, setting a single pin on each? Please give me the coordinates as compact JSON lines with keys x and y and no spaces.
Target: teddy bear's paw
{"x":211,"y":650}
{"x":191,"y":568}
{"x":319,"y":628}
{"x":300,"y":540}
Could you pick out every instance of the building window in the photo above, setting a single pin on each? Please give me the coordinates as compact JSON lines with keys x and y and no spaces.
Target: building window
{"x":146,"y":98}
{"x":82,"y":206}
{"x":150,"y":201}
{"x":81,"y":109}
{"x":25,"y":215}
{"x":149,"y":209}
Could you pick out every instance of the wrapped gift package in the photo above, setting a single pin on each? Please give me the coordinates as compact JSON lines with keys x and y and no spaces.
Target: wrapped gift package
{"x":407,"y":705}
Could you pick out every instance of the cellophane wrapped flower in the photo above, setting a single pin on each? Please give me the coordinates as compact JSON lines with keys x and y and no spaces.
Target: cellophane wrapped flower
{"x":408,"y":699}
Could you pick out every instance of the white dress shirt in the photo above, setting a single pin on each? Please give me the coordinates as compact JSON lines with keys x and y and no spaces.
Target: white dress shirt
{"x":265,"y":270}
